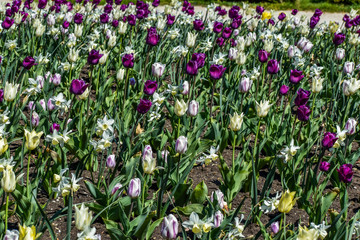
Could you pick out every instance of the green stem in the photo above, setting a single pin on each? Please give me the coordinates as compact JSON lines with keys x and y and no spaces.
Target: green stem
{"x":178,"y":167}
{"x":69,"y":217}
{"x":6,"y":211}
{"x":284,"y":231}
{"x":178,"y":131}
{"x":233,"y":154}
{"x":28,"y":184}
{"x":256,"y":138}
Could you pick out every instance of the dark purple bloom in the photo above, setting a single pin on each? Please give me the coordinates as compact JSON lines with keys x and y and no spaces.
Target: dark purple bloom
{"x":294,"y":12}
{"x":8,"y":12}
{"x":271,"y":21}
{"x":108,"y":8}
{"x":192,"y":68}
{"x":131,"y":20}
{"x":313,"y":21}
{"x":348,"y":24}
{"x":329,"y":140}
{"x":303,"y":113}
{"x":150,"y":87}
{"x":227,"y":32}
{"x":222,"y":12}
{"x":346,"y":18}
{"x":260,"y":9}
{"x":66,"y":24}
{"x":318,"y":12}
{"x":152,"y":37}
{"x":1,"y":95}
{"x":128,"y":60}
{"x":217,"y":27}
{"x":216,"y":71}
{"x":132,"y":81}
{"x":55,"y":126}
{"x":94,"y":57}
{"x":109,"y":2}
{"x":339,"y":38}
{"x":236,"y":23}
{"x":233,"y":13}
{"x":198,"y":25}
{"x":104,"y":18}
{"x":144,"y":106}
{"x":29,"y":62}
{"x":302,"y":97}
{"x":115,"y":23}
{"x":7,"y":23}
{"x":78,"y":18}
{"x":42,"y":4}
{"x":233,"y":42}
{"x":324,"y":166}
{"x":296,"y":76}
{"x":156,"y":3}
{"x":345,"y":173}
{"x":263,"y":56}
{"x":220,"y":41}
{"x":78,"y":86}
{"x":199,"y":58}
{"x":14,"y":9}
{"x":282,"y":16}
{"x":140,"y":13}
{"x":170,"y":19}
{"x":284,"y":90}
{"x":273,"y":66}
{"x":118,"y":2}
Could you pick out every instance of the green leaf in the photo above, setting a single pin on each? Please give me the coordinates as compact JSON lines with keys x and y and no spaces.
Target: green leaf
{"x":200,"y":193}
{"x":187,"y":210}
{"x":114,"y":230}
{"x":152,"y":228}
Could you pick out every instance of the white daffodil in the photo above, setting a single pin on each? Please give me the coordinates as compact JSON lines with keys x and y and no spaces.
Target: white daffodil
{"x":270,"y":204}
{"x":321,"y":228}
{"x":196,"y":225}
{"x":104,"y":125}
{"x":208,"y":158}
{"x":289,"y":151}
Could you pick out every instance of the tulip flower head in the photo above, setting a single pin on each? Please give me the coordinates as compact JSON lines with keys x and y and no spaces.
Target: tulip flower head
{"x":94,"y":57}
{"x":262,"y":108}
{"x":181,"y":145}
{"x":150,"y":87}
{"x":180,"y":107}
{"x":32,"y":139}
{"x":345,"y":173}
{"x":8,"y":181}
{"x":83,"y":217}
{"x":28,"y":233}
{"x":324,"y":166}
{"x":306,"y":234}
{"x":329,"y":140}
{"x":236,"y":121}
{"x":78,"y":86}
{"x":170,"y":227}
{"x":134,"y":188}
{"x":216,"y":71}
{"x":287,"y":201}
{"x":144,"y":106}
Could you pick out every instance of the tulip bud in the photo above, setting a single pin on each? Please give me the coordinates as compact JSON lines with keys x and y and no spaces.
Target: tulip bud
{"x":50,"y":105}
{"x":158,"y":69}
{"x":134,"y":189}
{"x":149,"y":164}
{"x":32,"y":139}
{"x":340,"y":53}
{"x":241,"y":60}
{"x":8,"y":181}
{"x":268,"y":45}
{"x":191,"y":39}
{"x":349,"y":67}
{"x":180,"y":107}
{"x":263,"y":108}
{"x":245,"y":84}
{"x":236,"y":121}
{"x":287,"y":201}
{"x":181,"y":145}
{"x":350,"y":126}
{"x":78,"y":30}
{"x":35,"y":119}
{"x":317,"y":84}
{"x":83,"y":217}
{"x":147,"y":152}
{"x":10,"y":91}
{"x":185,"y":87}
{"x":193,"y":108}
{"x":164,"y":155}
{"x":73,"y":55}
{"x":56,"y":79}
{"x":120,"y":74}
{"x":291,"y":51}
{"x":284,"y":90}
{"x":122,"y":27}
{"x":116,"y":188}
{"x":56,"y":178}
{"x":275,"y":227}
{"x":169,"y":227}
{"x":345,"y":173}
{"x":110,"y":161}
{"x":324,"y":166}
{"x":218,"y":218}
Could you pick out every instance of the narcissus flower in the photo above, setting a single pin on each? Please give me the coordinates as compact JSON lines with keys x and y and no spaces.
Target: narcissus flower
{"x":287,"y":201}
{"x":32,"y":139}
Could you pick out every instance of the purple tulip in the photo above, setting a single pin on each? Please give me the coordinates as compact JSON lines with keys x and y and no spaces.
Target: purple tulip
{"x":199,"y":58}
{"x":78,"y":86}
{"x":235,"y":24}
{"x":302,"y":97}
{"x":144,"y":106}
{"x":260,"y":9}
{"x":111,"y":161}
{"x":78,"y":18}
{"x":104,"y":18}
{"x":8,"y":12}
{"x":218,"y":26}
{"x":218,"y":218}
{"x":116,"y":187}
{"x":192,"y":68}
{"x":329,"y":140}
{"x":216,"y":71}
{"x":156,"y":3}
{"x":339,"y":38}
{"x":170,"y":19}
{"x":169,"y":227}
{"x":118,"y":2}
{"x":345,"y":173}
{"x":273,"y":66}
{"x":313,"y":21}
{"x":324,"y":166}
{"x":7,"y":23}
{"x":66,"y":24}
{"x":134,"y":189}
{"x":1,"y":95}
{"x":42,"y":4}
{"x":152,"y":37}
{"x":28,"y":62}
{"x":150,"y":87}
{"x":227,"y":32}
{"x":318,"y":12}
{"x":115,"y":23}
{"x":282,"y":16}
{"x":94,"y":57}
{"x":294,"y":12}
{"x":128,"y":60}
{"x":54,"y":126}
{"x":296,"y":76}
{"x":271,"y":21}
{"x":131,"y":20}
{"x":220,"y":41}
{"x":233,"y":13}
{"x":108,"y":8}
{"x":263,"y":56}
{"x":303,"y":113}
{"x":284,"y":90}
{"x":233,"y":42}
{"x":198,"y":25}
